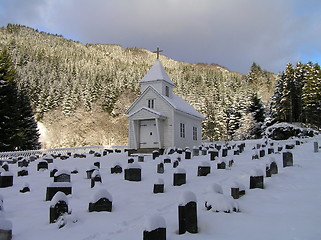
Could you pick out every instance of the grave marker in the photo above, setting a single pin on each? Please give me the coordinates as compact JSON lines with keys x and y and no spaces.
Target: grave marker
{"x":187,"y":213}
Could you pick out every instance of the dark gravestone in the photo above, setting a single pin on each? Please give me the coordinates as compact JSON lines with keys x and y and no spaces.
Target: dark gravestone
{"x":95,"y":177}
{"x":257,"y":179}
{"x":204,"y":151}
{"x":55,"y":187}
{"x":6,"y":179}
{"x":155,"y":154}
{"x":179,"y":177}
{"x":187,"y":214}
{"x":58,"y":207}
{"x":97,"y":164}
{"x":274,"y":168}
{"x":5,"y":229}
{"x":140,"y":158}
{"x":62,"y":176}
{"x":133,"y":172}
{"x":155,"y":229}
{"x":204,"y":169}
{"x":270,"y":150}
{"x":32,"y":158}
{"x":188,"y":154}
{"x":160,"y":168}
{"x":48,"y":158}
{"x":53,"y":171}
{"x":179,"y":150}
{"x":75,"y":171}
{"x":23,"y":172}
{"x":221,"y":165}
{"x":175,"y":164}
{"x":116,"y":169}
{"x":167,"y":160}
{"x":171,"y":151}
{"x":102,"y":202}
{"x":90,"y":171}
{"x":289,"y":146}
{"x":91,"y":152}
{"x":117,"y":151}
{"x":96,"y":154}
{"x":262,"y":153}
{"x":280,"y":149}
{"x":5,"y":166}
{"x":213,"y":155}
{"x":130,"y":160}
{"x":158,"y":188}
{"x":236,"y":152}
{"x":218,"y":147}
{"x":23,"y":163}
{"x":64,"y":157}
{"x":195,"y":151}
{"x":224,"y":152}
{"x":287,"y":159}
{"x":316,"y":147}
{"x":297,"y":142}
{"x":42,"y":165}
{"x":235,"y":192}
{"x":25,"y":188}
{"x":268,"y":171}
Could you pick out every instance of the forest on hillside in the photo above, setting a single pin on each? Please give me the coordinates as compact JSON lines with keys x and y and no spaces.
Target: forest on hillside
{"x":80,"y":92}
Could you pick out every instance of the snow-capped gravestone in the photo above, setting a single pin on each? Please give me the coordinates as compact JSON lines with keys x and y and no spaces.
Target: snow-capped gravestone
{"x":155,"y":228}
{"x":23,"y":172}
{"x":221,"y":165}
{"x":97,"y":164}
{"x":262,"y":153}
{"x":25,"y":188}
{"x":224,"y":152}
{"x":167,"y":159}
{"x":155,"y":154}
{"x":196,"y":151}
{"x":55,"y":187}
{"x":188,"y":154}
{"x":53,"y":171}
{"x":133,"y":172}
{"x":6,"y":179}
{"x":287,"y":159}
{"x":130,"y":160}
{"x":160,"y":168}
{"x":179,"y":177}
{"x":42,"y":165}
{"x":116,"y":168}
{"x":213,"y":154}
{"x":159,"y":186}
{"x":187,"y":213}
{"x":102,"y":201}
{"x":140,"y":158}
{"x":62,"y":176}
{"x":48,"y":158}
{"x":23,"y":163}
{"x":218,"y":202}
{"x":237,"y":190}
{"x":58,"y":206}
{"x":203,"y":169}
{"x":90,"y":171}
{"x":274,"y":167}
{"x":5,"y":229}
{"x":5,"y":166}
{"x":257,"y":179}
{"x":270,"y":150}
{"x":95,"y":177}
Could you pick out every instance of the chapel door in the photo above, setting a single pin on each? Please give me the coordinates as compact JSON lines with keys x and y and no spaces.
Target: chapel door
{"x":148,"y":134}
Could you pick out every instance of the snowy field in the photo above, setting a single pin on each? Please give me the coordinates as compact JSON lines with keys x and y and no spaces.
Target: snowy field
{"x":288,"y":208}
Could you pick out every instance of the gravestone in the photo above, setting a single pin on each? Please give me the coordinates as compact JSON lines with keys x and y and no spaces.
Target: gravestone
{"x":224,"y":152}
{"x":102,"y":201}
{"x":23,"y":163}
{"x":95,"y":177}
{"x":155,"y":154}
{"x":32,"y":158}
{"x":280,"y":148}
{"x":42,"y":165}
{"x":289,"y":146}
{"x":221,"y":165}
{"x":179,"y":150}
{"x":64,"y":157}
{"x":188,"y":154}
{"x":159,"y":186}
{"x":268,"y":171}
{"x":97,"y":154}
{"x":97,"y":164}
{"x":133,"y":172}
{"x":6,"y":179}
{"x":287,"y":159}
{"x":167,"y":159}
{"x":179,"y":177}
{"x":90,"y":171}
{"x":316,"y":146}
{"x":140,"y":158}
{"x":23,"y":172}
{"x":130,"y":160}
{"x":218,"y":147}
{"x":55,"y":187}
{"x":5,"y":229}
{"x":5,"y":166}
{"x":270,"y":150}
{"x":48,"y":158}
{"x":204,"y":151}
{"x":195,"y":151}
{"x":62,"y":176}
{"x":256,"y":179}
{"x":236,"y":152}
{"x":58,"y":206}
{"x":213,"y":155}
{"x":262,"y":153}
{"x":117,"y":151}
{"x":160,"y":168}
{"x":155,"y":228}
{"x":116,"y":169}
{"x":53,"y":171}
{"x":25,"y":188}
{"x":175,"y":164}
{"x":274,"y":168}
{"x":187,"y":213}
{"x":75,"y":171}
{"x":204,"y":169}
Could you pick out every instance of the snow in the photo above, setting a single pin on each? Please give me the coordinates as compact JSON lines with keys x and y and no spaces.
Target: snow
{"x":154,"y":222}
{"x":59,"y":197}
{"x":5,"y":224}
{"x":187,"y":197}
{"x":287,"y":208}
{"x":157,"y":72}
{"x":62,"y":171}
{"x":101,"y":193}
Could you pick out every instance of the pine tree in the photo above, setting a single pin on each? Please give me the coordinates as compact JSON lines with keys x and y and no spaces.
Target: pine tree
{"x":18,"y":129}
{"x":258,"y":113}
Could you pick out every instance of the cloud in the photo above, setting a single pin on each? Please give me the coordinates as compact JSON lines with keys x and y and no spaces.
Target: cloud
{"x":232,"y":33}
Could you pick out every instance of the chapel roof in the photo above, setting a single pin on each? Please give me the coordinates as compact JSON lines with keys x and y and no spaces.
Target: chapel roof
{"x":157,"y":72}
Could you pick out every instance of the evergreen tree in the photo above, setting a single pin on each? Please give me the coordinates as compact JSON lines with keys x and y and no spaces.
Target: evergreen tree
{"x":258,"y":113}
{"x":18,"y":129}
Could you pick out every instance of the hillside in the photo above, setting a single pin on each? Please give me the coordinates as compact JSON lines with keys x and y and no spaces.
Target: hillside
{"x":80,"y":92}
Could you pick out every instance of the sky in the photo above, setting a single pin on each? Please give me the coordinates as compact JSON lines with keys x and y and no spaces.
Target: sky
{"x":231,"y":33}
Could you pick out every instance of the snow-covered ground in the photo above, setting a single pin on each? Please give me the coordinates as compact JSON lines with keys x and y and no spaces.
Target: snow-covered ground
{"x":289,"y":208}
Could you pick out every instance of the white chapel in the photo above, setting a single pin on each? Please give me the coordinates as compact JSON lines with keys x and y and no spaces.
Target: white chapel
{"x":160,"y":119}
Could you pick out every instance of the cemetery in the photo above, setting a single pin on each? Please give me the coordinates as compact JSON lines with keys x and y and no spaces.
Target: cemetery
{"x":207,"y":193}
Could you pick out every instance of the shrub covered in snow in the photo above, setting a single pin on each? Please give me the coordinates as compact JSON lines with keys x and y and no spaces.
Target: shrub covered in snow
{"x":283,"y":131}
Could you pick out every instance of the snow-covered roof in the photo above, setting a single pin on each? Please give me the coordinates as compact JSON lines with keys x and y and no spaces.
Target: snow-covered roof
{"x":149,"y":110}
{"x":157,"y":72}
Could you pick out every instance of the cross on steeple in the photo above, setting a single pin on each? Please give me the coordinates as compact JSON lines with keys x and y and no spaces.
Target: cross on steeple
{"x":157,"y":52}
